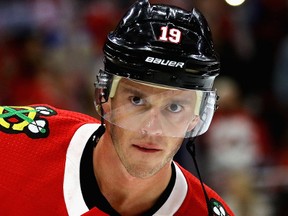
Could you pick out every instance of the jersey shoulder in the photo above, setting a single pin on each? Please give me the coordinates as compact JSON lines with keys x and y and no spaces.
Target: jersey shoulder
{"x":195,"y":201}
{"x":34,"y":141}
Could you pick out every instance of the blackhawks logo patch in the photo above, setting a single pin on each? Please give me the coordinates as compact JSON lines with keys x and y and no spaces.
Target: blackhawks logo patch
{"x":25,"y":119}
{"x":217,"y":208}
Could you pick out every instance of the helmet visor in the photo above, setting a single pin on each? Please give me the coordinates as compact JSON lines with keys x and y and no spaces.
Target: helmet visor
{"x":153,"y":109}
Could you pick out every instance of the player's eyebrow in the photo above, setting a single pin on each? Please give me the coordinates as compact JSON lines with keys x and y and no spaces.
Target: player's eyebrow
{"x":129,"y":89}
{"x":133,"y":90}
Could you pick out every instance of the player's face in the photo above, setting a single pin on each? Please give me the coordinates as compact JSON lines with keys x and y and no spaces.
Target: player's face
{"x":143,"y":117}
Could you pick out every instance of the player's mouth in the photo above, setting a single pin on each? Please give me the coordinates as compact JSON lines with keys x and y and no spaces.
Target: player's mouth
{"x":146,"y":148}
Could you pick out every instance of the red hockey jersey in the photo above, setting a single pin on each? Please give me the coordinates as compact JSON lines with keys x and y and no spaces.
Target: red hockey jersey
{"x":40,"y":151}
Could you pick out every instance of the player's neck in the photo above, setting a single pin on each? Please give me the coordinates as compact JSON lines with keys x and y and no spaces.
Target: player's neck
{"x":126,"y":193}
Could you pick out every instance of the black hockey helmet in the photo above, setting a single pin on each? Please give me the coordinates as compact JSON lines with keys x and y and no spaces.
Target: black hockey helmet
{"x":166,"y":47}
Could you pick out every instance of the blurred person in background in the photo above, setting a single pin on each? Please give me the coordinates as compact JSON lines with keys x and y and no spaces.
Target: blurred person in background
{"x":236,"y":145}
{"x":41,"y":43}
{"x":24,"y":75}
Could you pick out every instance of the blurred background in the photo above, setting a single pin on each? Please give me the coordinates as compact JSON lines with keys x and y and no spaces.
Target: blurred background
{"x":50,"y":51}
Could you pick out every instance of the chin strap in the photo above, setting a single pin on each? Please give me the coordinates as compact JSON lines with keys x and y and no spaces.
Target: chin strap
{"x":190,"y":146}
{"x":100,"y":131}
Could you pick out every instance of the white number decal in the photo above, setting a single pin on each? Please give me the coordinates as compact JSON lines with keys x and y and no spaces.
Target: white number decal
{"x":174,"y":35}
{"x":163,"y":36}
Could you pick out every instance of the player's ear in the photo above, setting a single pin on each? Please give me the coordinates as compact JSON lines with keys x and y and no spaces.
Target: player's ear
{"x":193,"y":123}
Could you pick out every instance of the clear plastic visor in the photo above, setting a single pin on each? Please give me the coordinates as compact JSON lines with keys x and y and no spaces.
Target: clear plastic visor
{"x":155,"y":110}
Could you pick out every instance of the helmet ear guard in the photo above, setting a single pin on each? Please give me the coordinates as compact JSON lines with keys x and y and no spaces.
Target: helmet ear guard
{"x":206,"y":113}
{"x":102,"y":87}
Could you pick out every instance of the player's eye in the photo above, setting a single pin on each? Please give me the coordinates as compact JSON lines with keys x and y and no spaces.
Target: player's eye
{"x":175,"y":108}
{"x":138,"y":101}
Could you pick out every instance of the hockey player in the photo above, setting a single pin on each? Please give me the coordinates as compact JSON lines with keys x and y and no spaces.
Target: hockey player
{"x":154,"y":94}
